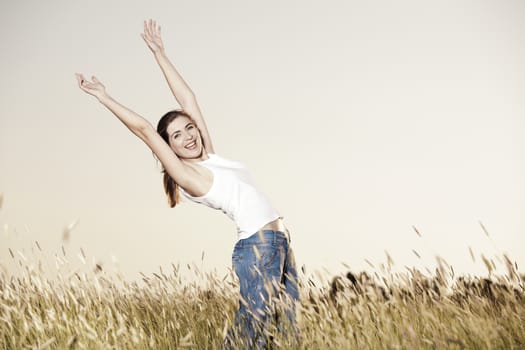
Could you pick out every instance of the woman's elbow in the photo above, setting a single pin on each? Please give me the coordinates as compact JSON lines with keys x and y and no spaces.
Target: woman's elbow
{"x":188,"y":100}
{"x":144,"y":130}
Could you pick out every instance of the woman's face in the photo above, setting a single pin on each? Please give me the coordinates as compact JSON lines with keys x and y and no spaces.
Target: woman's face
{"x":184,"y":138}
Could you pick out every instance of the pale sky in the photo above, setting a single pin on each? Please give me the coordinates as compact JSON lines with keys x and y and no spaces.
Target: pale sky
{"x":358,"y":119}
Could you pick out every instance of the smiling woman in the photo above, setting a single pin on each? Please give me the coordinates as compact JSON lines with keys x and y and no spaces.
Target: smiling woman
{"x":179,"y":130}
{"x":262,"y":258}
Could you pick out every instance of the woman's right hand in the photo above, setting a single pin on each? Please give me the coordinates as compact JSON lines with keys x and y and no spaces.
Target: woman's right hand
{"x":93,"y":87}
{"x":152,"y":36}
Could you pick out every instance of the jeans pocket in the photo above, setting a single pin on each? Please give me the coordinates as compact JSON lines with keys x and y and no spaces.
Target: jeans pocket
{"x":236,"y":257}
{"x":270,"y":258}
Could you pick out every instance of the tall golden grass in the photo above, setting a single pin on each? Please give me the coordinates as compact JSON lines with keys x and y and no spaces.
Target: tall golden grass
{"x":99,"y":310}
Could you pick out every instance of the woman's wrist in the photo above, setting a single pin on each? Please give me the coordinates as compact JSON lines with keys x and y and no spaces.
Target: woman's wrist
{"x":103,"y":98}
{"x":159,"y":54}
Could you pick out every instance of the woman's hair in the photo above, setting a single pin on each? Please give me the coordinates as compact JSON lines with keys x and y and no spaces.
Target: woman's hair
{"x":170,"y":186}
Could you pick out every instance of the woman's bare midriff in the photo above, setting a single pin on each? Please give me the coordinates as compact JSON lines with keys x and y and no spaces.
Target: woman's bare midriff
{"x":276,"y":225}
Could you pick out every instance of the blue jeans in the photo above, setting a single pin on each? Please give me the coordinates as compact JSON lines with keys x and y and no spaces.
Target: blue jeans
{"x":265,"y":266}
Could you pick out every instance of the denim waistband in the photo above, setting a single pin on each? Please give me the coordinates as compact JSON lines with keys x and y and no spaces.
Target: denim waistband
{"x":265,"y":236}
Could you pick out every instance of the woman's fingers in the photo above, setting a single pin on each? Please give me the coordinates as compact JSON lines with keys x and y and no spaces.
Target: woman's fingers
{"x":156,"y":29}
{"x":92,"y":87}
{"x":147,"y":30}
{"x":151,"y":35}
{"x":83,"y":84}
{"x":151,"y":28}
{"x":80,"y":79}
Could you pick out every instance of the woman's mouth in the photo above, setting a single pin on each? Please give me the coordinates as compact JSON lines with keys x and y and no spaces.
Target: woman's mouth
{"x":191,"y":146}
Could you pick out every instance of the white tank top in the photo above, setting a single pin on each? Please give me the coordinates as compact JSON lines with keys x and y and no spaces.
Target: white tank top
{"x":234,"y":192}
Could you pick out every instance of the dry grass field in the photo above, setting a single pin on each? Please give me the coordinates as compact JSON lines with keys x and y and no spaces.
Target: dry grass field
{"x":412,"y":310}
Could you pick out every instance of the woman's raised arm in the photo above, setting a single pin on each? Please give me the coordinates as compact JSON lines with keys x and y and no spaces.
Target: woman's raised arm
{"x":180,"y":172}
{"x":182,"y":92}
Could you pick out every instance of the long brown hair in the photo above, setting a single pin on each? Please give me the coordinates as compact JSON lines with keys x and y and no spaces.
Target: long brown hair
{"x":170,"y":186}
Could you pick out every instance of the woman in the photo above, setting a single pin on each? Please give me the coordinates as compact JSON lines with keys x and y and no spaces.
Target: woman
{"x":262,"y":258}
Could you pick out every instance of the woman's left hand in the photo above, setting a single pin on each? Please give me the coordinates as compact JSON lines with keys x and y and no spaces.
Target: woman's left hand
{"x":93,"y":87}
{"x":152,"y":36}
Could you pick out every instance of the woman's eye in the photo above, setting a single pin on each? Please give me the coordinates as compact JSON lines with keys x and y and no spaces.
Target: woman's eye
{"x":190,"y":127}
{"x":175,"y":136}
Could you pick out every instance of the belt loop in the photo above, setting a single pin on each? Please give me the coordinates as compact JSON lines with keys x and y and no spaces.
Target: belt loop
{"x":261,"y":235}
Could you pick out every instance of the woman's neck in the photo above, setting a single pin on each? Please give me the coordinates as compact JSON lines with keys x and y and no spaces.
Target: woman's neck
{"x":204,"y":156}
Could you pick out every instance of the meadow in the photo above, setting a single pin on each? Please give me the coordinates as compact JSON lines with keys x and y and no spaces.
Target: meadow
{"x":380,"y":310}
